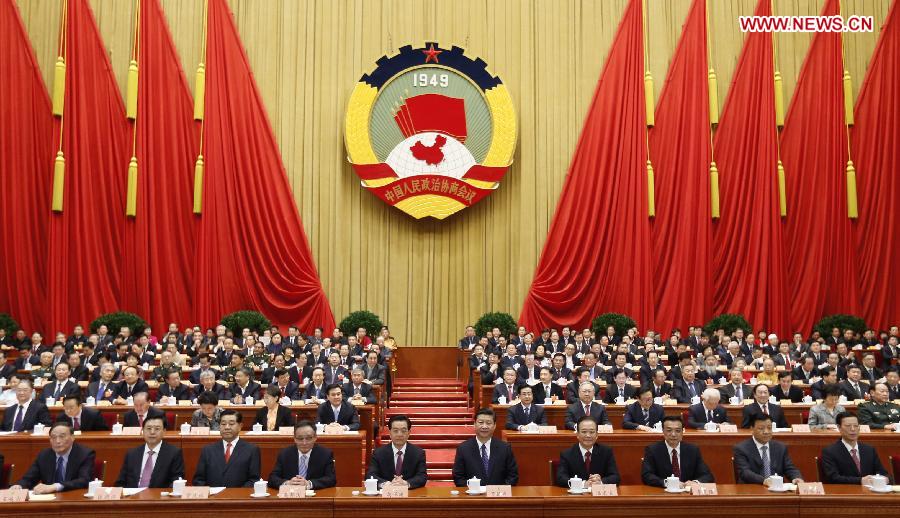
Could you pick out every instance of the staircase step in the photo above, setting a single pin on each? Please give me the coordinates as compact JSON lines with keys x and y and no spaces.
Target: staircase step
{"x":405,"y":395}
{"x":440,"y":474}
{"x":440,"y":458}
{"x":434,"y":411}
{"x":427,"y":381}
{"x":440,"y":483}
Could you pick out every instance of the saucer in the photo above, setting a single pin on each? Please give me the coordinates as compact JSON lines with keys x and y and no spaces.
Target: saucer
{"x":682,"y":490}
{"x":261,"y":495}
{"x":783,"y":489}
{"x":481,"y":491}
{"x":573,"y":492}
{"x":886,"y":489}
{"x":376,"y":493}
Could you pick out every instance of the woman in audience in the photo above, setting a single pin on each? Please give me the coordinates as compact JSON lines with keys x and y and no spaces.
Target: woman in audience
{"x":209,"y":413}
{"x":273,"y":415}
{"x":540,"y":356}
{"x":821,"y":416}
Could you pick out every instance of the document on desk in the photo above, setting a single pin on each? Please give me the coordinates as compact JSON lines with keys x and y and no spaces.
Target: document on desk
{"x":128,"y":491}
{"x":216,"y":490}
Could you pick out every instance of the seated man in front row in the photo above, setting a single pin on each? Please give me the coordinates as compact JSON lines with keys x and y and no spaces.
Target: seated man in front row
{"x":230,"y":462}
{"x":335,"y":410}
{"x":672,"y":457}
{"x":485,"y":457}
{"x":305,"y":464}
{"x":399,"y":462}
{"x":153,"y":464}
{"x":849,"y":461}
{"x":61,"y":467}
{"x":587,"y":459}
{"x":585,"y":405}
{"x":760,"y":457}
{"x":643,"y":414}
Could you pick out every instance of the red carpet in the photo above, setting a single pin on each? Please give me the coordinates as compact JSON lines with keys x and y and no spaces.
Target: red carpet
{"x":441,"y":417}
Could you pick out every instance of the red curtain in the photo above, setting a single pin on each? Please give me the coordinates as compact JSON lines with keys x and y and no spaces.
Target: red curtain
{"x":159,"y":249}
{"x":748,"y":267}
{"x":875,"y":143}
{"x":86,"y":240}
{"x":679,"y":149}
{"x":252,"y":252}
{"x":597,"y":255}
{"x":27,"y":150}
{"x":820,"y":258}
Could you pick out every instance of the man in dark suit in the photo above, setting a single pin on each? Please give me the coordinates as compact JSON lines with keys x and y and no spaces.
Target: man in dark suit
{"x":659,"y":386}
{"x":6,"y":369}
{"x":786,"y":389}
{"x":757,"y":459}
{"x":870,"y":373}
{"x":27,"y":412}
{"x":286,"y":387}
{"x":61,"y":386}
{"x":317,"y":389}
{"x":357,"y":391}
{"x":104,"y":389}
{"x":469,"y":340}
{"x":588,"y":460}
{"x":244,"y":387}
{"x":484,"y":456}
{"x":762,"y":406}
{"x":852,"y":387}
{"x":525,"y":412}
{"x":204,"y":364}
{"x":336,"y":411}
{"x":509,"y":389}
{"x":230,"y":462}
{"x":208,"y":383}
{"x":573,"y":389}
{"x":142,"y":411}
{"x":849,"y":461}
{"x":736,"y":387}
{"x":672,"y":457}
{"x":130,"y":385}
{"x":643,"y":414}
{"x":546,"y":390}
{"x":61,"y":467}
{"x":619,"y":387}
{"x":688,"y":387}
{"x":174,"y":388}
{"x":806,"y":370}
{"x":708,"y":410}
{"x":399,"y":462}
{"x":372,"y":370}
{"x":305,"y":463}
{"x":80,"y":417}
{"x":155,"y":463}
{"x":585,"y":406}
{"x":829,"y":377}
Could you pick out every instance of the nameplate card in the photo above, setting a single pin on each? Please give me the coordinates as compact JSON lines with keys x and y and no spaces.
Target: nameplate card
{"x":604,"y":428}
{"x":199,"y":430}
{"x":800,"y":428}
{"x":108,"y":493}
{"x":811,"y":488}
{"x":131,"y":430}
{"x":286,"y":430}
{"x":728,"y":428}
{"x":499,"y":491}
{"x":604,"y":490}
{"x":668,"y":402}
{"x":864,"y":428}
{"x":184,"y":402}
{"x":357,"y":402}
{"x":9,"y":496}
{"x":704,"y":489}
{"x":785,"y":402}
{"x":286,"y":491}
{"x":104,"y":402}
{"x":394,"y":491}
{"x":546,"y":429}
{"x":195,"y":492}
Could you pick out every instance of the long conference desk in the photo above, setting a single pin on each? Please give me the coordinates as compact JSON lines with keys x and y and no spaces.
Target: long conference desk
{"x":22,"y":448}
{"x":183,"y":413}
{"x":526,"y":501}
{"x":534,"y":452}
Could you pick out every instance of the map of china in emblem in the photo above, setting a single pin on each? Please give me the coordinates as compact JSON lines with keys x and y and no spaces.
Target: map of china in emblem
{"x":430,"y":131}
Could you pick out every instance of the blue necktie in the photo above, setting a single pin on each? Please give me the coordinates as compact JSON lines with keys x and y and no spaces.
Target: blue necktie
{"x":60,"y":470}
{"x":301,"y":469}
{"x":100,"y":391}
{"x":484,"y":460}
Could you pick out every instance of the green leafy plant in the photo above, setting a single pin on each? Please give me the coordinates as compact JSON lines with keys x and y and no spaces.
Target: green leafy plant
{"x":503,"y":321}
{"x":727,"y":321}
{"x":239,"y":320}
{"x":9,"y":323}
{"x":119,"y":319}
{"x":357,"y":319}
{"x":840,"y":321}
{"x":622,"y":323}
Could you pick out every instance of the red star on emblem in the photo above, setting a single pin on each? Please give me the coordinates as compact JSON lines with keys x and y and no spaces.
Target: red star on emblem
{"x":431,"y":53}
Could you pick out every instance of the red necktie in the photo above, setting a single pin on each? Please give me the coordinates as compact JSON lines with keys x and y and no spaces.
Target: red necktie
{"x":141,"y":421}
{"x":76,"y":425}
{"x":676,"y":469}
{"x":766,"y":409}
{"x":587,"y":463}
{"x":398,"y":467}
{"x":856,"y":460}
{"x":227,"y":452}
